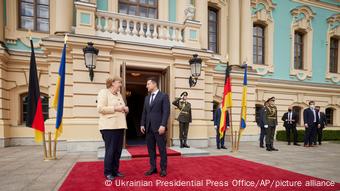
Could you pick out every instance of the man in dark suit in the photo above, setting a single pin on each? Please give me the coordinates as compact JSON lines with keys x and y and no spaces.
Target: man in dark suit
{"x":311,"y":120}
{"x":154,"y":121}
{"x":217,"y":120}
{"x":322,"y":124}
{"x":290,"y":119}
{"x":260,"y":123}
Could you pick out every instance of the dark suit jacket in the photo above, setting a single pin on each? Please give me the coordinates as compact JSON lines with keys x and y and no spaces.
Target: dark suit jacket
{"x":308,"y":117}
{"x":260,"y":121}
{"x":295,"y":117}
{"x":157,"y":114}
{"x":322,"y":120}
{"x":217,"y":117}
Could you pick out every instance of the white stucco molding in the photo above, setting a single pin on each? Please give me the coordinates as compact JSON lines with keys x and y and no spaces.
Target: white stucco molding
{"x":263,"y":16}
{"x":302,"y":17}
{"x":333,"y":31}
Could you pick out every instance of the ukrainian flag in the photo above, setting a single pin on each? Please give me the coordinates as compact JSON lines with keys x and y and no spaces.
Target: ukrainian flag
{"x":226,"y":102}
{"x":244,"y":100}
{"x":58,"y":102}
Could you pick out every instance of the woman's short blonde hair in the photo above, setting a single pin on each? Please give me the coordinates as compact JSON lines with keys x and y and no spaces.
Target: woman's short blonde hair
{"x":109,"y":81}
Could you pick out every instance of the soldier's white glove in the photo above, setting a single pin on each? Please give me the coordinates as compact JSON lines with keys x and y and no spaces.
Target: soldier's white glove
{"x":266,"y":126}
{"x":215,"y":126}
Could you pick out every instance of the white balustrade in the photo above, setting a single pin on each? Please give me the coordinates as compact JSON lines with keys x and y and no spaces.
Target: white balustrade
{"x":129,"y":27}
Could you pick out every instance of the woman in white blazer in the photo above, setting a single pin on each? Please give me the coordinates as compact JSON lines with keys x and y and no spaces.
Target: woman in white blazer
{"x":112,"y":122}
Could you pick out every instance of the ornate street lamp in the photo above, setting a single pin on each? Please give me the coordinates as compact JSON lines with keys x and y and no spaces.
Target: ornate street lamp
{"x":195,"y":66}
{"x":90,"y":56}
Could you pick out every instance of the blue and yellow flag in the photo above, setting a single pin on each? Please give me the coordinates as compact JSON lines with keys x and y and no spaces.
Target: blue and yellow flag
{"x":58,"y":102}
{"x":244,"y":100}
{"x":226,"y":103}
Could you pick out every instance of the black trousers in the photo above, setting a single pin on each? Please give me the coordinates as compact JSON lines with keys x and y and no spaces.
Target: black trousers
{"x":289,"y":128}
{"x":219,"y":141}
{"x":309,"y":134}
{"x":262,"y":134}
{"x":151,"y":139}
{"x":319,"y":135}
{"x":270,"y":132}
{"x":113,"y":149}
{"x":183,"y":130}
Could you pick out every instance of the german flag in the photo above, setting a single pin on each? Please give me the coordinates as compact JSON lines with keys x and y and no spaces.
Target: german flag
{"x":35,"y":118}
{"x":226,"y":102}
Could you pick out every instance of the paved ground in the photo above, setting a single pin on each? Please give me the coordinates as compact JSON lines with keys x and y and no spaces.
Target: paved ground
{"x":22,"y":168}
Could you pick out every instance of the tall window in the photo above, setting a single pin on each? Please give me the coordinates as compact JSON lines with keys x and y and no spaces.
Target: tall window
{"x":329,"y":115}
{"x":34,"y":15}
{"x":258,"y":108}
{"x":213,"y":29}
{"x":258,"y":44}
{"x":143,"y":8}
{"x":333,"y":56}
{"x":24,"y":102}
{"x":215,"y":107}
{"x":298,"y":50}
{"x":297,"y":110}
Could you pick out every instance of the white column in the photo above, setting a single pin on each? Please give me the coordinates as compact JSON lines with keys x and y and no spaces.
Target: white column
{"x":202,"y":16}
{"x":246,"y":32}
{"x":234,"y":32}
{"x":64,"y":21}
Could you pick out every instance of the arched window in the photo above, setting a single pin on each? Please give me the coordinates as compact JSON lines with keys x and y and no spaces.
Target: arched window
{"x":330,"y":115}
{"x":215,"y":107}
{"x":258,"y":108}
{"x":297,"y":110}
{"x":258,"y":44}
{"x":23,"y":103}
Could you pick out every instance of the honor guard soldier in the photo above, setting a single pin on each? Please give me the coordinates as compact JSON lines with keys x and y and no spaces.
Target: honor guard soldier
{"x":270,"y":123}
{"x":184,"y":118}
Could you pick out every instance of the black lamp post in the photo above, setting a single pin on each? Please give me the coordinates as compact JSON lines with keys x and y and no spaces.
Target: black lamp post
{"x":90,"y":56}
{"x":195,"y":66}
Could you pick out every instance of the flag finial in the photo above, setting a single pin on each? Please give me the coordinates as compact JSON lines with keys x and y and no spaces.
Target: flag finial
{"x":65,"y":38}
{"x":30,"y":34}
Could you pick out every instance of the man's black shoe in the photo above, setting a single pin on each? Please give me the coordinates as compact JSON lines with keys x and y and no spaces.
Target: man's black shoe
{"x":297,"y":144}
{"x":110,"y":177}
{"x":163,"y":173}
{"x":118,"y":174}
{"x":223,"y":147}
{"x":150,"y":172}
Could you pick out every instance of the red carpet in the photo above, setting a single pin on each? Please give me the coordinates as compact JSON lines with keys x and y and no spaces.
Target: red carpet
{"x":196,"y":173}
{"x":142,"y":151}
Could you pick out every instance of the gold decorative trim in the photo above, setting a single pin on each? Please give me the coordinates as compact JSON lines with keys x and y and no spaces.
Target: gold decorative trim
{"x":332,"y":32}
{"x":320,"y":4}
{"x":305,"y":25}
{"x":265,"y":17}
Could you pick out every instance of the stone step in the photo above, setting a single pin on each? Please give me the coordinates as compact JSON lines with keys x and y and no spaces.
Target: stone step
{"x":101,"y":153}
{"x":190,"y":151}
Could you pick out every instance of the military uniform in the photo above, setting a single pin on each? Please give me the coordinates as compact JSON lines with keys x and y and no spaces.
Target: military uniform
{"x":270,"y":123}
{"x":184,"y":118}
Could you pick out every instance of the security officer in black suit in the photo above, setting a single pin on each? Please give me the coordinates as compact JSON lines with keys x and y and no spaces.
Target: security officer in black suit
{"x":322,"y":124}
{"x":184,"y":118}
{"x":290,"y":119}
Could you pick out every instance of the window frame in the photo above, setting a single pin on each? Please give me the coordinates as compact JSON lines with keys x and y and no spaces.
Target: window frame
{"x":329,"y":119}
{"x":256,"y":38}
{"x":216,"y":10}
{"x":22,"y":120}
{"x":35,"y":17}
{"x":302,"y":49}
{"x":138,"y":6}
{"x":297,"y":109}
{"x":335,"y":59}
